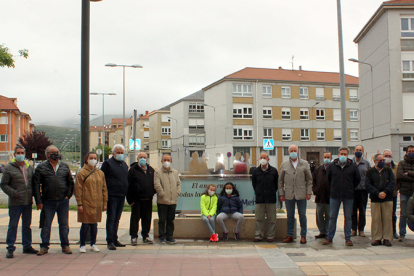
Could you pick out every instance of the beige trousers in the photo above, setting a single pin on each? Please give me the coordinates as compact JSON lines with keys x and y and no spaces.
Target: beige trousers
{"x":265,"y":214}
{"x":381,"y":223}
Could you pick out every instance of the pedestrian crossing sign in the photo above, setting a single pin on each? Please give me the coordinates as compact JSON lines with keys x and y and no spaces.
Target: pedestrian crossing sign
{"x":268,"y":144}
{"x":137,"y":144}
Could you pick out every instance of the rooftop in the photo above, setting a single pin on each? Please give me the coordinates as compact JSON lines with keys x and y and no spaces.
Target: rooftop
{"x":300,"y":76}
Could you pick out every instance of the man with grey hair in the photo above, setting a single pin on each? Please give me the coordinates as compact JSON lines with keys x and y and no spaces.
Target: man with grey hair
{"x":389,"y":163}
{"x":295,"y":187}
{"x":53,"y":187}
{"x":265,"y":184}
{"x":116,"y":176}
{"x":167,"y":184}
{"x":16,"y":182}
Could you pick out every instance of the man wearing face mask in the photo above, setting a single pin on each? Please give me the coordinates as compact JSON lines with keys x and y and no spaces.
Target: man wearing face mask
{"x":265,"y":184}
{"x":380,"y":184}
{"x":140,"y":193}
{"x":16,"y":182}
{"x":343,"y":177}
{"x":295,"y":187}
{"x":53,"y":187}
{"x":405,"y":176}
{"x":361,"y":194}
{"x":389,"y":163}
{"x":116,"y":176}
{"x":322,"y":192}
{"x":167,"y":184}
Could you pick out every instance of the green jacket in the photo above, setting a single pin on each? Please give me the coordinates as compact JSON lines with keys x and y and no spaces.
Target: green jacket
{"x":13,"y":184}
{"x":208,"y":205}
{"x":410,"y":209}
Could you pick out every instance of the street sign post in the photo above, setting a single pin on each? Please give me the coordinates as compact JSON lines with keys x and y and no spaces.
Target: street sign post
{"x":268,"y":144}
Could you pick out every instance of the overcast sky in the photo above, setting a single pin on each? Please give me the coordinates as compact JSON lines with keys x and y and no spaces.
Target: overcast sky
{"x":184,"y":45}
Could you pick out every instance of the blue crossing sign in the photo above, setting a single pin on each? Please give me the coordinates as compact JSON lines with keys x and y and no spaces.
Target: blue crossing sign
{"x":268,"y":144}
{"x":137,"y":144}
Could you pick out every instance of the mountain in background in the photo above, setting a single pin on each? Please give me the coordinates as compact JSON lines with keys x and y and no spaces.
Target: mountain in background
{"x":58,"y":134}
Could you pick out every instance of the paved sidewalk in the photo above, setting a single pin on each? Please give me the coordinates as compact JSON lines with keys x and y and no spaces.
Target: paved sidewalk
{"x":195,"y":257}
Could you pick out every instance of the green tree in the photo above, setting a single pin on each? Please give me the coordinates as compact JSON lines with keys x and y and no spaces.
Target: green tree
{"x":7,"y":59}
{"x":108,"y":151}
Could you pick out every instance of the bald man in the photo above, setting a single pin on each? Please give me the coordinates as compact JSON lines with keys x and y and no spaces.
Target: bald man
{"x":295,"y":187}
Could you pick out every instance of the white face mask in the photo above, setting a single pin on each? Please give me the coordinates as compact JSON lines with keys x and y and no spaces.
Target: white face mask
{"x":92,"y":162}
{"x":211,"y":193}
{"x":388,"y":160}
{"x":229,"y":191}
{"x":166,"y":164}
{"x":263,"y":162}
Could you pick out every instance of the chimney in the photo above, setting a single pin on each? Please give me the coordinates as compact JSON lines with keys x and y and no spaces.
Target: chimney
{"x":280,"y":67}
{"x":146,"y":112}
{"x":300,"y":67}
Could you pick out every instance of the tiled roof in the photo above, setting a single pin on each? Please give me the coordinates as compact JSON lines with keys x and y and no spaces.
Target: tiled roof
{"x":290,"y":75}
{"x":281,"y":75}
{"x":99,"y":128}
{"x":128,"y":121}
{"x":7,"y":104}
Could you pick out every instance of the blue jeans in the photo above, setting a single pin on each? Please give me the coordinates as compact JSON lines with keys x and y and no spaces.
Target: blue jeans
{"x":290,"y":209}
{"x":403,"y":215}
{"x":25,"y":211}
{"x":334,"y":206}
{"x":210,"y":223}
{"x":50,"y":207}
{"x":113,"y":215}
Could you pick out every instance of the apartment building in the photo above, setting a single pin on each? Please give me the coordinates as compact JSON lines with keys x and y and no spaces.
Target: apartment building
{"x":159,"y":124}
{"x":290,"y":106}
{"x":187,"y":129}
{"x":13,"y":124}
{"x":95,"y":136}
{"x":386,"y":50}
{"x":143,"y":131}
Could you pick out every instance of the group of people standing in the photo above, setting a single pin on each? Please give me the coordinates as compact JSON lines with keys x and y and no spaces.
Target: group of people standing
{"x":96,"y":190}
{"x":341,"y":181}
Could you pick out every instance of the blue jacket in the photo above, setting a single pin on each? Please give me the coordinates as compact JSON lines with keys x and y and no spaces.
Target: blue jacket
{"x":116,"y":176}
{"x":229,"y":205}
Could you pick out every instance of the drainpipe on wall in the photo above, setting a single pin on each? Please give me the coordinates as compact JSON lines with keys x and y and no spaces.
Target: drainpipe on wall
{"x":257,"y":125}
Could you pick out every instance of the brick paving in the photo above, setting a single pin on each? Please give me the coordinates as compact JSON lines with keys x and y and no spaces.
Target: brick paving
{"x":195,"y":257}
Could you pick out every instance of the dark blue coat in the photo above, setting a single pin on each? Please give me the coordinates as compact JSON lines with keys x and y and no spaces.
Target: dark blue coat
{"x":229,"y":205}
{"x":116,"y":176}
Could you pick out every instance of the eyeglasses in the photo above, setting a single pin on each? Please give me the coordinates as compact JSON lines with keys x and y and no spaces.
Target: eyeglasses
{"x":380,"y":160}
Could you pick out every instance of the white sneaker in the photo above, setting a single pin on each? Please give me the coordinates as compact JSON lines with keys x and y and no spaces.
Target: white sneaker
{"x":94,"y":248}
{"x":82,"y":249}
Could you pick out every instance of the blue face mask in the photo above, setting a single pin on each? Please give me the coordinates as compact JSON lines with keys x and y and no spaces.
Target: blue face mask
{"x":411,"y":155}
{"x":142,"y":162}
{"x":20,"y":157}
{"x":342,"y":159}
{"x":381,"y":165}
{"x":119,"y":157}
{"x":327,"y":161}
{"x":358,"y":154}
{"x":293,"y":155}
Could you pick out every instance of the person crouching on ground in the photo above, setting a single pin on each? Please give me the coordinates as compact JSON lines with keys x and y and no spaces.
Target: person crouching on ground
{"x":230,"y":206}
{"x":380,"y":184}
{"x":208,"y":205}
{"x":92,"y":197}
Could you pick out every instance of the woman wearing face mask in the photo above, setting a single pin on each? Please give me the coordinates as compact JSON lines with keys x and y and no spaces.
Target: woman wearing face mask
{"x":208,"y":205}
{"x":92,"y":196}
{"x":230,"y":206}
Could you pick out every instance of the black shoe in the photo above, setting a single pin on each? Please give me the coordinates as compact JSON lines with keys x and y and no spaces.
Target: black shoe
{"x":30,"y":250}
{"x":9,"y":254}
{"x":118,"y":244}
{"x":225,"y":236}
{"x":320,"y":236}
{"x":171,"y":240}
{"x":236,"y":235}
{"x":111,"y":246}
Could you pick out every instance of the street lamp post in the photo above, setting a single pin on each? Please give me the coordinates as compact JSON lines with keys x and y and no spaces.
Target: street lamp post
{"x":342,"y":77}
{"x":85,"y":49}
{"x":103,"y":120}
{"x":372,"y":91}
{"x":123,"y":90}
